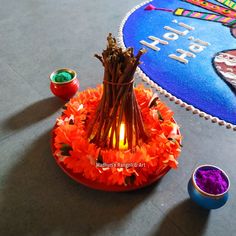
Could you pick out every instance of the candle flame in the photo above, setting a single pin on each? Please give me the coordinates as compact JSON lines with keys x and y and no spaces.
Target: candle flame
{"x":123,"y":144}
{"x":122,"y":132}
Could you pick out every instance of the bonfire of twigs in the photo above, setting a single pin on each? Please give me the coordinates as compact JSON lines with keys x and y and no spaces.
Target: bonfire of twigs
{"x":118,"y":104}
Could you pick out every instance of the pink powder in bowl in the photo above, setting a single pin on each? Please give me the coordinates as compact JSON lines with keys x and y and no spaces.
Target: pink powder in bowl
{"x":211,"y":180}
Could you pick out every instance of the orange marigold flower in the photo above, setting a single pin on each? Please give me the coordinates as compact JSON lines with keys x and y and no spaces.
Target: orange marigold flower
{"x":117,"y":167}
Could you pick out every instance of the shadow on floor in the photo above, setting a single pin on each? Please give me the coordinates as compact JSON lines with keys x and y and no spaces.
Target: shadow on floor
{"x":38,"y":199}
{"x":186,"y":219}
{"x":34,"y":113}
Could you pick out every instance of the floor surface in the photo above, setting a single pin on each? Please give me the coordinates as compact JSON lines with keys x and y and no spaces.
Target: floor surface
{"x":36,"y":197}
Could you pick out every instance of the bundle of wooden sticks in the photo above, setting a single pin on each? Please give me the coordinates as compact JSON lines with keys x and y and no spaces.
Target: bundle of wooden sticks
{"x":118,"y":104}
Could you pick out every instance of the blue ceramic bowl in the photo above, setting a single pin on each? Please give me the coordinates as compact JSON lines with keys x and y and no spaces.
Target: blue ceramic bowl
{"x":204,"y":199}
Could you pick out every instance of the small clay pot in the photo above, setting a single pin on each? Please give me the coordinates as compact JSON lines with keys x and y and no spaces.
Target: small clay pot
{"x":64,"y":90}
{"x":204,"y":199}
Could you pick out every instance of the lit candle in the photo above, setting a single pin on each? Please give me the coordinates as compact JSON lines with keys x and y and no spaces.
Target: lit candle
{"x":123,"y":144}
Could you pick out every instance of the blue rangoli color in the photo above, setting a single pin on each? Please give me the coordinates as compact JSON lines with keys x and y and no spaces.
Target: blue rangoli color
{"x":196,"y":81}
